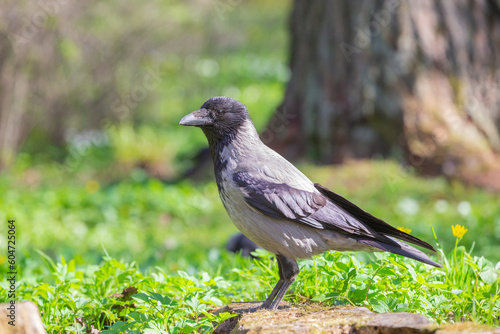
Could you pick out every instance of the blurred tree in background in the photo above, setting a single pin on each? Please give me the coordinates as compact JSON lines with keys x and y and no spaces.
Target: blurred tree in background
{"x":62,"y":65}
{"x":123,"y":73}
{"x":419,"y":79}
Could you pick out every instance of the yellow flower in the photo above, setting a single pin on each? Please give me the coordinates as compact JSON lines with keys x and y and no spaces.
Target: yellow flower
{"x":404,"y":229}
{"x":458,"y":230}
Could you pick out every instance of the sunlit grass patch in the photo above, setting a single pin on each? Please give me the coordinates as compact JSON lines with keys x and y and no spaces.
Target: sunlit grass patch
{"x":117,"y":296}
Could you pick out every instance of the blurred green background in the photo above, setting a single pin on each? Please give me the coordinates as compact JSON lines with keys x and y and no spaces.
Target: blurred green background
{"x":78,"y":186}
{"x":101,"y":153}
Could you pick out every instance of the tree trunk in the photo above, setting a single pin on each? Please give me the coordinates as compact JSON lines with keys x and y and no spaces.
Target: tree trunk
{"x":415,"y":79}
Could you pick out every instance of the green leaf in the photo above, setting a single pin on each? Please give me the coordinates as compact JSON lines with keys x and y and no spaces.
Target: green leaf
{"x":319,"y":298}
{"x":221,"y":317}
{"x":438,"y":285}
{"x":142,"y":297}
{"x":379,"y":306}
{"x":164,"y":300}
{"x":47,"y":259}
{"x":184,"y":274}
{"x":489,"y":276}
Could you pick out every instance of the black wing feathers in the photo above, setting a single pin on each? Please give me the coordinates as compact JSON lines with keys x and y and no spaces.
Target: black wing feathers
{"x":280,"y":200}
{"x":326,"y":210}
{"x":373,"y":222}
{"x":401,"y":249}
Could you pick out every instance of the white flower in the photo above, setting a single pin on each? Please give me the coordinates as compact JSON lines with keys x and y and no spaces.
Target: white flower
{"x":408,"y":206}
{"x":464,"y":208}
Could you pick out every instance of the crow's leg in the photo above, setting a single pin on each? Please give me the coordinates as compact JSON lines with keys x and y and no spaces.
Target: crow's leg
{"x":273,"y":294}
{"x":288,"y":270}
{"x":276,"y":288}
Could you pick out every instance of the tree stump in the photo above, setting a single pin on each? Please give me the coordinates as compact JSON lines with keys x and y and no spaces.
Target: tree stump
{"x":23,"y":318}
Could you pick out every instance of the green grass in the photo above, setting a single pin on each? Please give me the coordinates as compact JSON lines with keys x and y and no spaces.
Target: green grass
{"x":121,"y":229}
{"x":167,"y":241}
{"x":73,"y":300}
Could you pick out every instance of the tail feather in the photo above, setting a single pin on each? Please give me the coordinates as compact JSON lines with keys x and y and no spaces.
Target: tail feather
{"x":404,"y":249}
{"x":366,"y":218}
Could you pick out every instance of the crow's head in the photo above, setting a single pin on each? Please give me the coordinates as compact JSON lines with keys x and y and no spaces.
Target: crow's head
{"x":219,"y":116}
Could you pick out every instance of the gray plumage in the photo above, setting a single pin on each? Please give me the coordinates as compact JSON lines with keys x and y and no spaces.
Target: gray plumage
{"x":279,"y":208}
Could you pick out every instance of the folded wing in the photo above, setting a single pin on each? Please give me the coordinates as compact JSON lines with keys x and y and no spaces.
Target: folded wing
{"x":323,"y":210}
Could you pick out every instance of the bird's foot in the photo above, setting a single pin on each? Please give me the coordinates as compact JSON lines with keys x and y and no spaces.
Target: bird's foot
{"x":265,"y":305}
{"x":253,"y":309}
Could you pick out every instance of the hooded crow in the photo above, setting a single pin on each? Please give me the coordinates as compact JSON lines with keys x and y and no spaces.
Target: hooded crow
{"x":278,"y":207}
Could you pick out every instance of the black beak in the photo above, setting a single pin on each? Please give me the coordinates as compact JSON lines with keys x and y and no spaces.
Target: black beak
{"x":197,"y":118}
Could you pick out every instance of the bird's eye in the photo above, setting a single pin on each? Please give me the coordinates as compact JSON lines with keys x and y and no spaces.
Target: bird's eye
{"x":219,"y":112}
